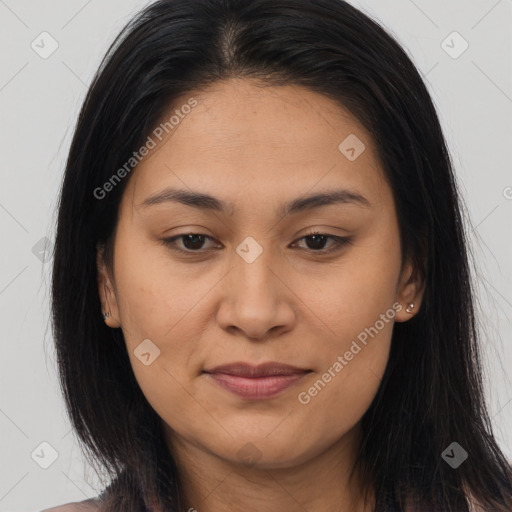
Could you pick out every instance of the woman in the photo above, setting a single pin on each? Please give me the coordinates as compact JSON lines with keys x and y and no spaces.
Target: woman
{"x":261,"y":295}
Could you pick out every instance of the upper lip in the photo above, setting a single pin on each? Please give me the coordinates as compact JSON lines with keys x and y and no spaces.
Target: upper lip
{"x":241,"y":369}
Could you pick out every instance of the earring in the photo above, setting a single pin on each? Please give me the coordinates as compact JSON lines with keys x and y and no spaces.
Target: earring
{"x":409,"y":308}
{"x":105,"y":315}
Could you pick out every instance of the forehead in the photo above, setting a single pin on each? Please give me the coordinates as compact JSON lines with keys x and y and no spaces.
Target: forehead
{"x":242,"y":138}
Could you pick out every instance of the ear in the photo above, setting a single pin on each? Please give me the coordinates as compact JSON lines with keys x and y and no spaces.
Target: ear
{"x":410,"y":291}
{"x":106,"y":290}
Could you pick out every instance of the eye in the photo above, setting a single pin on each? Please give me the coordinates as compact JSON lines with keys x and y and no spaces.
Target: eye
{"x":193,"y":242}
{"x":316,"y":241}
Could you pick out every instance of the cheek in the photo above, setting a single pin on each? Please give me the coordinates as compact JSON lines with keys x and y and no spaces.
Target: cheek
{"x":344,"y":386}
{"x":156,"y":303}
{"x":151,"y":309}
{"x":357,"y":316}
{"x":153,"y":295}
{"x":356,"y":292}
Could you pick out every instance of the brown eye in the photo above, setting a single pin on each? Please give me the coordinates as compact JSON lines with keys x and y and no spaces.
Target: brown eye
{"x":190,"y":243}
{"x":315,"y":242}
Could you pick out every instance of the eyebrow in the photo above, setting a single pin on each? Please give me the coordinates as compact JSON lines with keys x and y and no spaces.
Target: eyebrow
{"x":300,"y":204}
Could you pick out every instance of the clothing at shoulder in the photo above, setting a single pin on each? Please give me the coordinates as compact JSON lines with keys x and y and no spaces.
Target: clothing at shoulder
{"x":81,"y":506}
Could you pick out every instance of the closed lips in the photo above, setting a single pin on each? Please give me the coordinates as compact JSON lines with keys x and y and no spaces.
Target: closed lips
{"x":259,"y":371}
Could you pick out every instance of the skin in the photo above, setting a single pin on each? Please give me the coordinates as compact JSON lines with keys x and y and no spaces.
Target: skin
{"x":259,"y":148}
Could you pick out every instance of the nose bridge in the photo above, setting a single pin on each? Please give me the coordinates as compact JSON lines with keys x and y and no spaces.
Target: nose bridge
{"x":252,"y":276}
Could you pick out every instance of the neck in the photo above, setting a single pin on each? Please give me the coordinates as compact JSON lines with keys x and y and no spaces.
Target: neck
{"x":322,"y":483}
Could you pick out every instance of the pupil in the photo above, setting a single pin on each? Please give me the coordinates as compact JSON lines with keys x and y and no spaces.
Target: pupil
{"x":197,"y":241}
{"x":317,"y":238}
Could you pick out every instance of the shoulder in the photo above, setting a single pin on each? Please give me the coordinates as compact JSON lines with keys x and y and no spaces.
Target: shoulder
{"x":91,"y":505}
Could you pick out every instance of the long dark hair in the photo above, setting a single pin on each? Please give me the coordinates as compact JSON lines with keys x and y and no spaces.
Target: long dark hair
{"x":431,"y":394}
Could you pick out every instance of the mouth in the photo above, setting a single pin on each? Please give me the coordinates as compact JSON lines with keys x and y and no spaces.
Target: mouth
{"x":256,"y":382}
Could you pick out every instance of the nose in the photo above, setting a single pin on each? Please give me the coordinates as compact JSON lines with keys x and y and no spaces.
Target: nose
{"x":256,"y":300}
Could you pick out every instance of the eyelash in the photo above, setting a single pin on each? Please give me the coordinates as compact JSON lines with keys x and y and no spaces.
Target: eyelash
{"x":339,"y":243}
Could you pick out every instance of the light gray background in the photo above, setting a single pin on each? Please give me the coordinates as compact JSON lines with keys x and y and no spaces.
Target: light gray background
{"x":39,"y":102}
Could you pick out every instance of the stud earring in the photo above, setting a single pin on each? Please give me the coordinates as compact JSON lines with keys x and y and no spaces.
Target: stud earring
{"x":409,"y":308}
{"x":105,"y":315}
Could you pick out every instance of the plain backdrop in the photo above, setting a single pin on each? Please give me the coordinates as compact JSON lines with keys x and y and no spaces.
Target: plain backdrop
{"x":39,"y":102}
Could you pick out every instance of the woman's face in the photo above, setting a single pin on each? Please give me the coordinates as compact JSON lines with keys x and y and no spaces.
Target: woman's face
{"x":258,"y":287}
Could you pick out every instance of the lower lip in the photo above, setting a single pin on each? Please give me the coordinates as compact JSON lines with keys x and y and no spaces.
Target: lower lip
{"x":256,"y":388}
